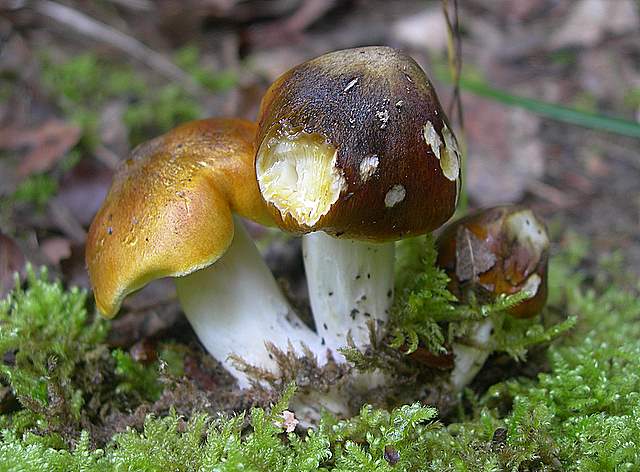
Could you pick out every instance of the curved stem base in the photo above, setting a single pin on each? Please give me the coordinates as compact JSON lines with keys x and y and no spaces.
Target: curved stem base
{"x":235,"y":306}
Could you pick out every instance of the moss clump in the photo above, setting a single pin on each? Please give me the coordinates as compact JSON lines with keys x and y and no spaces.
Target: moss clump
{"x":580,"y":414}
{"x":83,"y":85}
{"x":426,"y":314}
{"x":37,"y":190}
{"x":44,"y":336}
{"x":57,"y":366}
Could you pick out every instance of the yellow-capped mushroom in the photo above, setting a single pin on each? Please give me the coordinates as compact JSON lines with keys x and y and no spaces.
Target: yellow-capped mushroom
{"x":169,"y":213}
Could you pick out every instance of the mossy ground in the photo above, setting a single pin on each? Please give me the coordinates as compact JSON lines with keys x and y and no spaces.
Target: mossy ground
{"x":579,"y":413}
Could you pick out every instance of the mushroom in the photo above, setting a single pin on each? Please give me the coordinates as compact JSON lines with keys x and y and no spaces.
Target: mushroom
{"x":354,"y":153}
{"x":496,"y":251}
{"x":169,"y":213}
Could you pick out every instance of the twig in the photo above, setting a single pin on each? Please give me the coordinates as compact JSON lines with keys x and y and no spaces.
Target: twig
{"x":143,"y":5}
{"x":454,"y":53}
{"x":98,"y":31}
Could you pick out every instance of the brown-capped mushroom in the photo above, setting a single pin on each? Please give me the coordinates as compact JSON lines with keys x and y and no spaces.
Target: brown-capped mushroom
{"x":355,"y":152}
{"x":169,"y":213}
{"x":497,"y":251}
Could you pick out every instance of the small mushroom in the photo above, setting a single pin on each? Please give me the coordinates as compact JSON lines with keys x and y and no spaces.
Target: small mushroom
{"x":499,"y":250}
{"x":496,"y":251}
{"x":355,"y":152}
{"x":169,"y":213}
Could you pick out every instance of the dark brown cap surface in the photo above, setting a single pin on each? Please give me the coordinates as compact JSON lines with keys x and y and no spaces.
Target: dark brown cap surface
{"x":355,"y":143}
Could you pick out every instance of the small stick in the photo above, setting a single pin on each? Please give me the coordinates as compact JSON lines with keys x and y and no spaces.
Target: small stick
{"x":98,"y":31}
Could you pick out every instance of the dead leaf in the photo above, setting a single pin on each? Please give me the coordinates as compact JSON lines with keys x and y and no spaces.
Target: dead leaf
{"x":56,"y":249}
{"x":84,"y":189}
{"x":473,"y":256}
{"x":147,"y":314}
{"x":11,"y":261}
{"x":8,"y":178}
{"x":504,"y":146}
{"x":67,"y":222}
{"x":590,"y":21}
{"x":114,"y":134}
{"x":46,"y":144}
{"x":289,"y":29}
{"x":426,"y":29}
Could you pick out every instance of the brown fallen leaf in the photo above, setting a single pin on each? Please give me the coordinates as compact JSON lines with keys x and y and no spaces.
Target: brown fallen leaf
{"x":504,"y":146}
{"x":290,"y":28}
{"x":45,"y":145}
{"x":590,"y":21}
{"x":473,"y":256}
{"x":56,"y":249}
{"x":425,"y":29}
{"x":83,"y":190}
{"x":11,"y":260}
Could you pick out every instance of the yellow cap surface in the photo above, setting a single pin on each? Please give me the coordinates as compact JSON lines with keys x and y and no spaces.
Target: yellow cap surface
{"x":169,"y":209}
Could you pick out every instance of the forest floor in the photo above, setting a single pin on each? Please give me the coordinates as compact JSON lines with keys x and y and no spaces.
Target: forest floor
{"x":80,"y":85}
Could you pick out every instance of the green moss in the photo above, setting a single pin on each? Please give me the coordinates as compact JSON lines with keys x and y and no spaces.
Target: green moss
{"x":46,"y":332}
{"x":37,"y":190}
{"x":57,"y":365}
{"x":83,"y":85}
{"x":427,"y":314}
{"x":189,"y":59}
{"x":143,"y":381}
{"x":135,"y":377}
{"x":581,"y":414}
{"x":158,"y":112}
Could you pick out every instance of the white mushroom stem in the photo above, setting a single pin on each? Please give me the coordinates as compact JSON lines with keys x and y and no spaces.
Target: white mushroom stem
{"x":235,"y":306}
{"x":350,"y":282}
{"x":471,"y":356}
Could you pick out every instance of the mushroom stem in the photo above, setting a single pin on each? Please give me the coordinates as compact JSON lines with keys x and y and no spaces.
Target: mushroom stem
{"x":350,"y":282}
{"x":471,"y":356}
{"x":235,"y":306}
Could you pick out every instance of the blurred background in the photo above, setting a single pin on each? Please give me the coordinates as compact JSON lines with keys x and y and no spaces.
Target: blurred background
{"x":82,"y":82}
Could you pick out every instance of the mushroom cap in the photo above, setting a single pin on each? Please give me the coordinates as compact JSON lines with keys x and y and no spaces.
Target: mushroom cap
{"x":355,"y":143}
{"x":499,"y":250}
{"x":169,"y":209}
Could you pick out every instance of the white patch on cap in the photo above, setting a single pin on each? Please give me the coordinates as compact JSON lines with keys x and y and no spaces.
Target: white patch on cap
{"x":531,"y":285}
{"x":432,"y":139}
{"x":368,"y":167}
{"x":394,"y":196}
{"x":450,"y":158}
{"x":448,"y":155}
{"x":351,"y":84}
{"x":529,"y":231}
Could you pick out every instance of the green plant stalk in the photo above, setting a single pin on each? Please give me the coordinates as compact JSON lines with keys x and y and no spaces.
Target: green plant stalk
{"x":550,"y":110}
